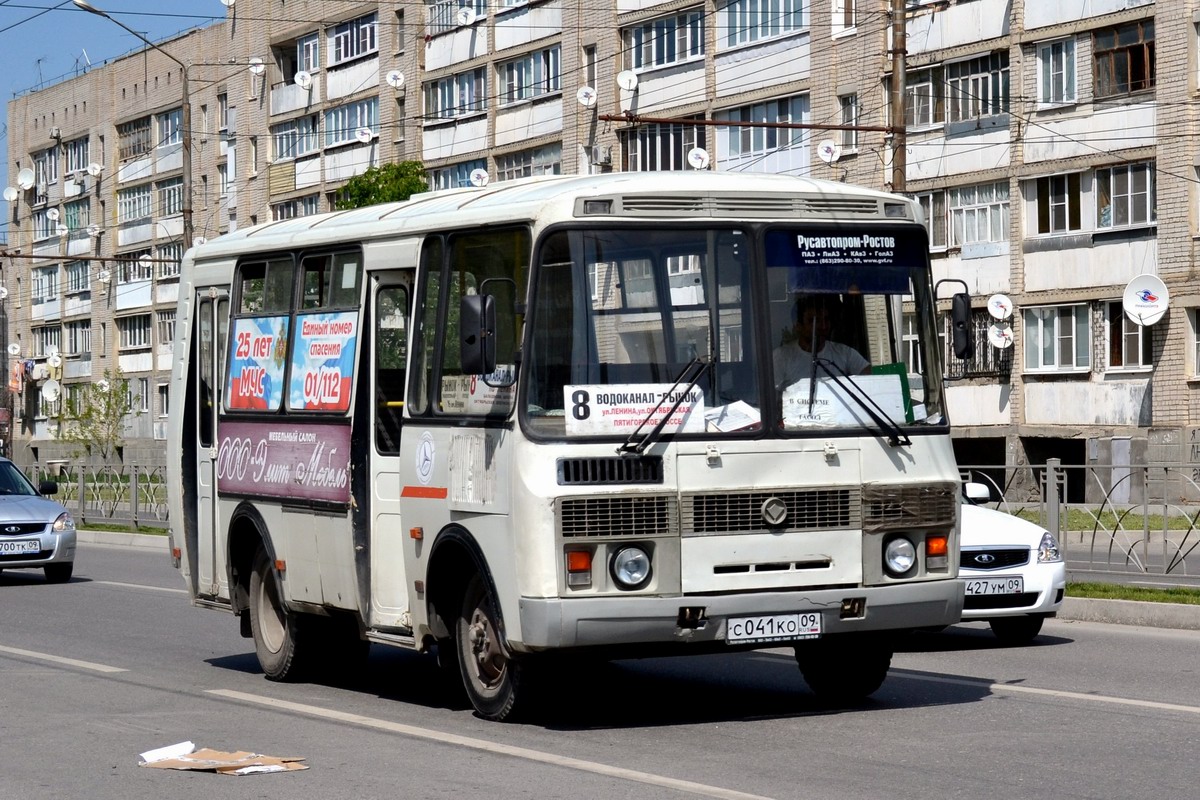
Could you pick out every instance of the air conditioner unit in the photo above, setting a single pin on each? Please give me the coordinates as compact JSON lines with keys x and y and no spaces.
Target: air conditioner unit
{"x":600,"y":155}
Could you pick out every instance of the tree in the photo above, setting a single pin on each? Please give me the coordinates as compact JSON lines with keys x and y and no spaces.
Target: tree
{"x":386,"y":183}
{"x":94,"y":419}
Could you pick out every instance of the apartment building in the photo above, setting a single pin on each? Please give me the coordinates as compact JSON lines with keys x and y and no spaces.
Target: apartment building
{"x":1049,"y":144}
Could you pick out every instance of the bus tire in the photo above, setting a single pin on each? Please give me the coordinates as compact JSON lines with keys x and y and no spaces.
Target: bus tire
{"x":492,"y":678}
{"x":845,"y":669}
{"x":278,"y":633}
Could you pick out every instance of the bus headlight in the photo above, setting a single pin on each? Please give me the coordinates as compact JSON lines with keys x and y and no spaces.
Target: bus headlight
{"x":899,"y":556}
{"x":630,"y":567}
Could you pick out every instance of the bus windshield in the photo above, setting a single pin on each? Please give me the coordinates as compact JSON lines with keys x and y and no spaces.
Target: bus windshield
{"x":633,"y":327}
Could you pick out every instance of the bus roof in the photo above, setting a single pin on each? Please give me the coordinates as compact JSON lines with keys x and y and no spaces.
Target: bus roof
{"x":647,"y":195}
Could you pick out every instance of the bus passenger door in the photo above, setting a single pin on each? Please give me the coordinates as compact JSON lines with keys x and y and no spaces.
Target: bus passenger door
{"x":212,"y":321}
{"x":389,"y":538}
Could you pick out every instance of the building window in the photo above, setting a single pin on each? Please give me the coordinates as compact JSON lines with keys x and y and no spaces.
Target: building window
{"x":656,"y":147}
{"x":977,"y":88}
{"x":748,"y":21}
{"x":979,"y":213}
{"x":77,"y":154}
{"x":1123,"y":58}
{"x":742,"y":140}
{"x":298,"y":207}
{"x":164,"y":399}
{"x":170,"y":127}
{"x":845,"y":16}
{"x":1058,"y":204}
{"x":46,"y":340}
{"x":1056,"y":72}
{"x":295,"y":137}
{"x":1057,"y":338}
{"x":133,"y":204}
{"x":79,"y":277}
{"x":169,"y":257}
{"x":988,"y":361}
{"x":441,"y":13}
{"x":538,"y":161}
{"x":933,"y":207}
{"x":456,"y":95}
{"x":1130,"y":346}
{"x":1125,"y":196}
{"x":222,"y":112}
{"x":342,"y":123}
{"x":170,"y":197}
{"x":45,"y":168}
{"x":353,"y":39}
{"x":43,"y":226}
{"x":134,"y":332}
{"x":924,"y":98}
{"x":848,"y":103}
{"x":133,"y":267}
{"x":166,"y":327}
{"x":77,"y":215}
{"x":79,"y":338}
{"x":589,"y":65}
{"x":308,"y":53}
{"x":223,"y":179}
{"x":133,"y":138}
{"x":45,"y":284}
{"x":667,"y":40}
{"x":455,"y":176}
{"x":530,"y":76}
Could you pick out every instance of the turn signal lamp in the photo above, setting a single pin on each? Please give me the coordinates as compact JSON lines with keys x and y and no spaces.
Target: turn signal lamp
{"x":937,"y":551}
{"x":579,"y":568}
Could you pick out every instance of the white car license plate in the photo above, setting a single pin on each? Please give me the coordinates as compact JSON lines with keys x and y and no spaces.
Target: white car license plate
{"x":773,"y":628}
{"x":21,"y":547}
{"x":986,"y":586}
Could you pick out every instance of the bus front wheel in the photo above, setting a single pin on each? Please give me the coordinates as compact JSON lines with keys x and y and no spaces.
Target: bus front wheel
{"x":493,"y":679}
{"x":278,"y":638}
{"x":845,"y":669}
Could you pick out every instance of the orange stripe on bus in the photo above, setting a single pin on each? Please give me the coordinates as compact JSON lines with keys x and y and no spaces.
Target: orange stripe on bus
{"x":428,"y":492}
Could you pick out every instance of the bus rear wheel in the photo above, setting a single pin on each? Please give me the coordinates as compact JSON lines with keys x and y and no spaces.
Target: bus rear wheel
{"x":845,"y":669}
{"x":278,"y":633}
{"x":492,"y":678}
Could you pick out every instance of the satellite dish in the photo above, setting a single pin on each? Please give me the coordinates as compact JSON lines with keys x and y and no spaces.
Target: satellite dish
{"x":93,"y":230}
{"x":999,"y":306}
{"x":1145,"y":300}
{"x":698,"y":158}
{"x":52,"y":351}
{"x":199,"y":241}
{"x":55,"y":361}
{"x":144,"y":260}
{"x":52,"y":214}
{"x":227,"y":3}
{"x":465,"y":16}
{"x":479,"y":177}
{"x":14,"y":349}
{"x":304,"y":79}
{"x":4,"y":294}
{"x":104,"y":276}
{"x":1000,"y":336}
{"x":62,"y":230}
{"x":364,"y":135}
{"x":395,"y":78}
{"x":102,"y":385}
{"x":829,"y":151}
{"x":51,"y":390}
{"x":11,"y":193}
{"x":627,"y":79}
{"x":25,"y":178}
{"x":94,"y":169}
{"x":257,"y":67}
{"x":586,"y":96}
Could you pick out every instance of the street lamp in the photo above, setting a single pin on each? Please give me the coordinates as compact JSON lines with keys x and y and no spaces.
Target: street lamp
{"x":186,"y":102}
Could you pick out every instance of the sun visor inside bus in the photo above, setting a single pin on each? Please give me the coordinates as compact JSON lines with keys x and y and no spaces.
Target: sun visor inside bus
{"x":846,"y":259}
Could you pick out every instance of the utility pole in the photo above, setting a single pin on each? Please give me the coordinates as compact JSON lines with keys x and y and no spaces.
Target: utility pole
{"x":899,"y":129}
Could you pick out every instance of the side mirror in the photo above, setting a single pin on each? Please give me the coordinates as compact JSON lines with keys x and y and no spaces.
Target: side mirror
{"x":477,"y":334}
{"x":48,"y":488}
{"x":962,"y":332}
{"x":977,"y":492}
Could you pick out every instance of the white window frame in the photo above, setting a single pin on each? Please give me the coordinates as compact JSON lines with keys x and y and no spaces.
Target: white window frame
{"x":43,"y":226}
{"x":170,"y":257}
{"x":937,"y":218}
{"x":1059,"y":198}
{"x":673,"y":39}
{"x":170,"y":197}
{"x":166,"y":326}
{"x":164,"y":399}
{"x":46,"y":339}
{"x":295,"y":138}
{"x":77,"y":214}
{"x":44,"y":283}
{"x":45,"y":167}
{"x":455,"y":96}
{"x":1129,"y":339}
{"x":978,"y":213}
{"x":848,"y":108}
{"x":131,"y":269}
{"x":1057,"y":76}
{"x":924,"y":99}
{"x":746,"y":21}
{"x":977,"y":87}
{"x":845,"y":17}
{"x":134,"y":332}
{"x":76,"y":154}
{"x":455,"y":176}
{"x":1129,"y":205}
{"x":79,"y":276}
{"x":538,"y":161}
{"x":78,"y":336}
{"x":308,"y":53}
{"x":354,"y":39}
{"x":533,"y":75}
{"x":1047,"y":329}
{"x":656,"y":147}
{"x":133,"y":204}
{"x":169,"y":125}
{"x":342,"y":122}
{"x":745,"y":140}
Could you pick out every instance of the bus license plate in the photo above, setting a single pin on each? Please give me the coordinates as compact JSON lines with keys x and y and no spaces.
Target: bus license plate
{"x":988,"y":586}
{"x":23,"y":547}
{"x":773,"y":628}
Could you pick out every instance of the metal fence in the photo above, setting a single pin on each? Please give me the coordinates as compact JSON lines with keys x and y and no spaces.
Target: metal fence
{"x":1114,"y":522}
{"x":122,"y":495}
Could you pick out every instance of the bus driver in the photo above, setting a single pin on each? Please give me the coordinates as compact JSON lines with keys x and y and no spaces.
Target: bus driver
{"x":813,"y":324}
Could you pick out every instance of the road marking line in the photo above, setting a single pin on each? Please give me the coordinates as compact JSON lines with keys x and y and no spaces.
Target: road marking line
{"x":141,"y":586}
{"x":1095,"y":698}
{"x":490,"y":747}
{"x":71,"y":662}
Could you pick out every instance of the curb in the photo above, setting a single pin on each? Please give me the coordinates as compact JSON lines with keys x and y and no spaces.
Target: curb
{"x":141,"y":540}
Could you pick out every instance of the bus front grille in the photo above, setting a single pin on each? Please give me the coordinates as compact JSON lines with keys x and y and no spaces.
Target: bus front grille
{"x":889,"y":507}
{"x":743,"y":512}
{"x":638,"y":515}
{"x":610,"y":470}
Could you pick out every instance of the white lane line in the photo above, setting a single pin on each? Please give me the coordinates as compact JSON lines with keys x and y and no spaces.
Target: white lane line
{"x":1094,"y":698}
{"x":490,"y":747}
{"x":70,"y":662}
{"x":141,"y":586}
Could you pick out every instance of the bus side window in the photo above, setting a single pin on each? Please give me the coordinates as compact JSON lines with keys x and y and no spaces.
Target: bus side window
{"x":390,"y":339}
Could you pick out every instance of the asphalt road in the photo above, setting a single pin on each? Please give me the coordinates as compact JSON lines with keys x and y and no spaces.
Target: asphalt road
{"x":116,"y":662}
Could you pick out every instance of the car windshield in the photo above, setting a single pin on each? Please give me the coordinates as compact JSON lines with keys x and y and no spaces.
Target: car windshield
{"x":13,"y":481}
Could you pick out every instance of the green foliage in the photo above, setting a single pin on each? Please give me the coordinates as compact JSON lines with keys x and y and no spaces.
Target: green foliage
{"x":386,"y":183}
{"x":1124,"y":591}
{"x":94,"y":423}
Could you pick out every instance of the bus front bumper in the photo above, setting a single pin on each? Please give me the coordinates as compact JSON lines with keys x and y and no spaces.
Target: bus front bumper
{"x":623,"y":620}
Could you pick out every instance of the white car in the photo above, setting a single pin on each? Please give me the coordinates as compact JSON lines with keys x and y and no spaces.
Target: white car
{"x":1013,"y":572}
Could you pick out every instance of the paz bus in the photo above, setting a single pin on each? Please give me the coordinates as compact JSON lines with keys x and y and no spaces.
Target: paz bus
{"x":549,"y":417}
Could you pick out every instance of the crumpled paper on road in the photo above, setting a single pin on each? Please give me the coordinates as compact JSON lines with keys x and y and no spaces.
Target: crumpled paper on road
{"x":184,"y":755}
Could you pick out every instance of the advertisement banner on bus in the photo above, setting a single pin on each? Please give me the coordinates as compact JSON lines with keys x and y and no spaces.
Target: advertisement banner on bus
{"x":291,"y":460}
{"x":323,"y":361}
{"x":256,"y":364}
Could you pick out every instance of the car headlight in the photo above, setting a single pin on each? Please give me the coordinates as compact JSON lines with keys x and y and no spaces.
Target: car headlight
{"x":65,"y":522}
{"x":630,"y":567}
{"x":1048,"y":551}
{"x":899,"y":555}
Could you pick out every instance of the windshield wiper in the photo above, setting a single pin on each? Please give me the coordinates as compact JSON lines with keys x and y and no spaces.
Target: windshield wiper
{"x":895,"y":436}
{"x":629,"y":446}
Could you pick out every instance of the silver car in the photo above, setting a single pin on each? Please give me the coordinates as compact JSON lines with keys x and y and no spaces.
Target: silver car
{"x":35,"y":532}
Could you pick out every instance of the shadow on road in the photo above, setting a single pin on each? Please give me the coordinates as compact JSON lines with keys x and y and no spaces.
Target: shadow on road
{"x":968,"y":636}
